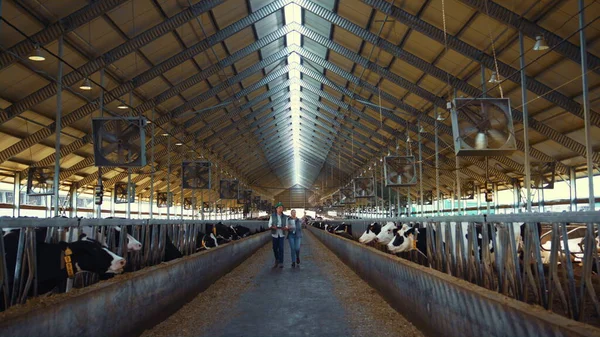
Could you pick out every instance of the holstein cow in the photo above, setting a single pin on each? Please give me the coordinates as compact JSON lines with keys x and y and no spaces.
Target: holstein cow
{"x":206,"y":241}
{"x":240,"y":231}
{"x":371,"y":233}
{"x":343,"y":228}
{"x":387,"y":233}
{"x":132,"y":244}
{"x":53,"y":260}
{"x":479,"y":232}
{"x":410,"y":238}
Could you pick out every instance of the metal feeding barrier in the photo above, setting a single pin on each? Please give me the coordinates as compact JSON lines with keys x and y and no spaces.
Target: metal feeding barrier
{"x":549,"y":259}
{"x":152,"y":234}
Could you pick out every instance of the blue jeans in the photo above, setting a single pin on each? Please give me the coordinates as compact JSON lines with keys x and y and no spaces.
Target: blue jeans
{"x":278,"y":249}
{"x":294,"y":246}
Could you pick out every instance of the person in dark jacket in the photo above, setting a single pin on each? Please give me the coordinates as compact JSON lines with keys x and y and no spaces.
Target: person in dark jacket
{"x":294,"y":237}
{"x":278,"y":226}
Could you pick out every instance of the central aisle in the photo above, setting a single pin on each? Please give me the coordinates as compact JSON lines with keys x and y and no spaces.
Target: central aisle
{"x":321,"y":298}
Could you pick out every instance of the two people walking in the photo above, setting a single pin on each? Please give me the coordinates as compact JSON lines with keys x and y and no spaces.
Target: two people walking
{"x":280,"y":225}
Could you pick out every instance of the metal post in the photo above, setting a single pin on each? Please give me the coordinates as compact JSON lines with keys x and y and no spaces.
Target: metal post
{"x":129,"y":170}
{"x":73,"y":201}
{"x":58,"y":126}
{"x":152,"y":168}
{"x":17,"y":195}
{"x":527,"y":165}
{"x":573,"y":190}
{"x":541,"y":198}
{"x":202,"y":205}
{"x":495,"y":186}
{"x":101,"y":106}
{"x":437,"y":167}
{"x":483,"y":81}
{"x":420,"y":168}
{"x":169,"y":174}
{"x":586,"y":108}
{"x":112,"y":203}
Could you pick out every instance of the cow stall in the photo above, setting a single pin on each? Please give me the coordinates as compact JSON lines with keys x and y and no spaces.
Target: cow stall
{"x":549,"y":260}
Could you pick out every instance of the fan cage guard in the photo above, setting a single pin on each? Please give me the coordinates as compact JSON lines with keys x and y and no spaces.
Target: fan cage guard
{"x":48,"y":188}
{"x":229,"y":189}
{"x":461,"y":148}
{"x":120,"y":193}
{"x":164,"y":199}
{"x":391,"y":169}
{"x":195,"y":171}
{"x":360,"y":192}
{"x":467,"y":190}
{"x":347,"y":196}
{"x":189,"y":203}
{"x":545,"y":174}
{"x":100,"y":159}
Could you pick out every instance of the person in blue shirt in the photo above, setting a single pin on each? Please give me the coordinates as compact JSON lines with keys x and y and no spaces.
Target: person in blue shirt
{"x":278,"y":226}
{"x":294,"y":237}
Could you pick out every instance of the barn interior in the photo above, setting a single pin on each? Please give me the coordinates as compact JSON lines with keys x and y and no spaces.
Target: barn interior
{"x":346,"y":110}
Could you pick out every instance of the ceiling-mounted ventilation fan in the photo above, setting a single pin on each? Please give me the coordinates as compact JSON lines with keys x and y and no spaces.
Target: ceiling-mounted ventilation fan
{"x":364,"y":187}
{"x":219,"y":208}
{"x":189,"y":203}
{"x":483,"y":127}
{"x":196,"y":175}
{"x":399,"y":171}
{"x":428,"y":197}
{"x":245,"y":197}
{"x":206,"y":206}
{"x":229,"y":189}
{"x":119,"y":141}
{"x":347,"y":196}
{"x":256,"y":201}
{"x":120,"y":193}
{"x":467,"y":190}
{"x":40,"y":181}
{"x":543,"y":175}
{"x":164,"y":199}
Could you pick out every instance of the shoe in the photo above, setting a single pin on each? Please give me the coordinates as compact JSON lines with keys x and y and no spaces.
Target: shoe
{"x":276,"y":265}
{"x":293,"y":264}
{"x":298,"y":260}
{"x":281,"y":265}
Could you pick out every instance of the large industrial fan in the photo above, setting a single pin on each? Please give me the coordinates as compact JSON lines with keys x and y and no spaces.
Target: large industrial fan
{"x":189,"y":203}
{"x":483,"y":127}
{"x":347,"y":196}
{"x":245,"y":197}
{"x":164,"y":199}
{"x":399,"y":171}
{"x":364,"y":187}
{"x":120,"y":193}
{"x":206,"y":206}
{"x":256,"y":201}
{"x":119,"y":141}
{"x":40,"y":181}
{"x":219,"y":208}
{"x":467,"y":190}
{"x":428,"y":197}
{"x":543,"y":175}
{"x":196,"y":175}
{"x":229,"y":189}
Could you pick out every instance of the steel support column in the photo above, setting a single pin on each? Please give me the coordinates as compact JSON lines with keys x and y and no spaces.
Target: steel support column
{"x":16,"y":192}
{"x":586,"y":107}
{"x":526,"y":165}
{"x":573,"y":189}
{"x":58,"y":125}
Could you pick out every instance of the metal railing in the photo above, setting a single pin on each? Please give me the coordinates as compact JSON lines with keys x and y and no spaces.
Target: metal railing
{"x":549,"y":259}
{"x":152,"y":234}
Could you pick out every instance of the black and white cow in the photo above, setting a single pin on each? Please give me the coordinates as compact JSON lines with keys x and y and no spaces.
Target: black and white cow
{"x":87,"y":255}
{"x":133,"y":245}
{"x":342,"y":228}
{"x":480,"y":239}
{"x":371,"y":233}
{"x":387,"y":233}
{"x":240,"y":231}
{"x":205,"y":241}
{"x":223,"y":233}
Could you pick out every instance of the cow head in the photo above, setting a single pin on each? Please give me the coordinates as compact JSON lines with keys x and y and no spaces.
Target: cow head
{"x":371,"y":233}
{"x":90,"y":255}
{"x":132,"y":244}
{"x":387,"y":233}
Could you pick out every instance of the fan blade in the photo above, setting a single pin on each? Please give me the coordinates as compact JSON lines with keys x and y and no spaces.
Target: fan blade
{"x":498,"y":137}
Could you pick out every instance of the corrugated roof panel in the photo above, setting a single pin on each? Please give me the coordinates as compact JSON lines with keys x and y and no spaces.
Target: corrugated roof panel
{"x":229,"y":12}
{"x":317,"y":24}
{"x":269,"y":24}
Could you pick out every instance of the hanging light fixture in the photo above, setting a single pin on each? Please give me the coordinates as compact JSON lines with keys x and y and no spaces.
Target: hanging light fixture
{"x":421,"y":129}
{"x":86,"y":84}
{"x":178,"y":143}
{"x":540,"y":43}
{"x":37,"y":55}
{"x":164,"y":134}
{"x":494,"y":78}
{"x":122,"y":106}
{"x":439,"y":116}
